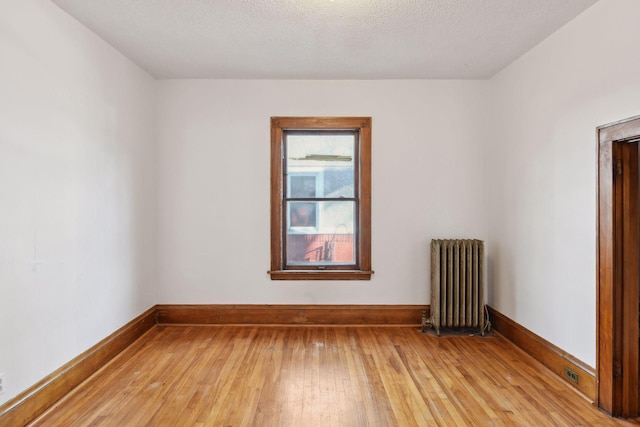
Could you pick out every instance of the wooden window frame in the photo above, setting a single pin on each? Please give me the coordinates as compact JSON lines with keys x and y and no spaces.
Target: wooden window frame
{"x":362,"y":269}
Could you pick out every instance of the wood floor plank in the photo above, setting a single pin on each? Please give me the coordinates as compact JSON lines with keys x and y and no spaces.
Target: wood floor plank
{"x":321,"y":375}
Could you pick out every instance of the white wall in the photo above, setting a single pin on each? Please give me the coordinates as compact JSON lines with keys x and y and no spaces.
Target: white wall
{"x":428,"y":182}
{"x":542,"y":170}
{"x":77,"y":190}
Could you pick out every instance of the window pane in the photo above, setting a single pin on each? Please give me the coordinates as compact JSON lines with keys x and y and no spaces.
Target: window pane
{"x":320,"y":165}
{"x":320,"y":233}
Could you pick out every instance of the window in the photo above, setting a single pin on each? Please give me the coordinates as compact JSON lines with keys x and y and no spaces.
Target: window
{"x":320,"y":198}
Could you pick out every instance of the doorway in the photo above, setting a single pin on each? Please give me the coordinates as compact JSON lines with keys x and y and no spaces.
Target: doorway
{"x":618,"y":268}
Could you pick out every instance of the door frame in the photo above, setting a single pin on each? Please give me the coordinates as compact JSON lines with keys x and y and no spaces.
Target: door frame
{"x":616,"y":335}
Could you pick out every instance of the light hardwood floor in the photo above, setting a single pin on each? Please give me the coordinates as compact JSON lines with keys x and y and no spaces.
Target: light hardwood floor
{"x":321,"y":376}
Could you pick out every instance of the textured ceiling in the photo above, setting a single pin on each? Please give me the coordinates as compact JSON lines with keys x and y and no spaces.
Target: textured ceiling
{"x":323,"y":39}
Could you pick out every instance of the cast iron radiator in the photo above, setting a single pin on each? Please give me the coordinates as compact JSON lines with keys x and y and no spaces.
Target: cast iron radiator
{"x":457,"y":285}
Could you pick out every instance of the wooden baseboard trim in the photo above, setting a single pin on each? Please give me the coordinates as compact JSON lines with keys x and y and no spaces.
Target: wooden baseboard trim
{"x":261,"y":314}
{"x":546,"y":353}
{"x":31,"y":403}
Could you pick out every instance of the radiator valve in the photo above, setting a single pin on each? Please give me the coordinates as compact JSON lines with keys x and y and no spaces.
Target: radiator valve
{"x":426,"y":321}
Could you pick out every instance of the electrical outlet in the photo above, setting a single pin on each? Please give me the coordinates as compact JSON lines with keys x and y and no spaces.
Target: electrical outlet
{"x":571,"y":375}
{"x":3,"y":385}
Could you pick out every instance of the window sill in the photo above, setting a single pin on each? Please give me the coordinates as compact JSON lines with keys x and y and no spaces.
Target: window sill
{"x":320,"y":274}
